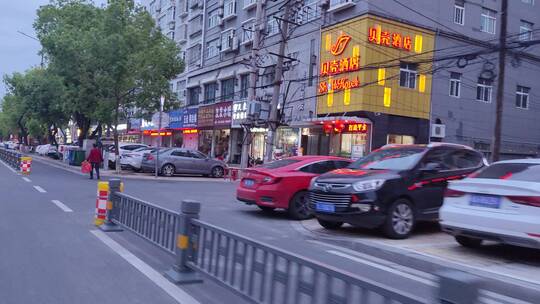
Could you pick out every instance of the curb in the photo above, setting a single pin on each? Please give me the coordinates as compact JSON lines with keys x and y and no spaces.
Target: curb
{"x":498,"y":283}
{"x":71,"y":169}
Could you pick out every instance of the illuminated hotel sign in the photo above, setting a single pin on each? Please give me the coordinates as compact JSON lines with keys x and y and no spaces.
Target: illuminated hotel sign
{"x":339,"y":66}
{"x":396,"y":40}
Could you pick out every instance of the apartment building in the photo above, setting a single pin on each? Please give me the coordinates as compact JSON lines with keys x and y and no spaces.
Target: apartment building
{"x":358,"y":74}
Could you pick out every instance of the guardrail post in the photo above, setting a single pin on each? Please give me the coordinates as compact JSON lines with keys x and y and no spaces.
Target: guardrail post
{"x":180,"y":273}
{"x":457,"y":287}
{"x":115,"y":185}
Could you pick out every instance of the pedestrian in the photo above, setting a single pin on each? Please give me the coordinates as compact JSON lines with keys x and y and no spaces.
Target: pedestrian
{"x":95,"y":159}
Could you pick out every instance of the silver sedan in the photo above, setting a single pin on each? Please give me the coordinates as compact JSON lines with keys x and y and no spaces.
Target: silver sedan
{"x":183,"y":161}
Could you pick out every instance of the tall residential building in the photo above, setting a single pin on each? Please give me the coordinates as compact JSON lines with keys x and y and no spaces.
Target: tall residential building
{"x":358,"y":74}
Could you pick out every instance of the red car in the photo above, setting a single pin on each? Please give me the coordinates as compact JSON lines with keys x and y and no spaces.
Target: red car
{"x":284,"y":183}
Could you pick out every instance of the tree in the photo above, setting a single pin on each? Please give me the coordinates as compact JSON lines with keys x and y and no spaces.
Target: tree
{"x":136,"y":62}
{"x":68,"y":32}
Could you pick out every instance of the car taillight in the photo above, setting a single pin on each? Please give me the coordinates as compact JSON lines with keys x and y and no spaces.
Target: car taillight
{"x":533,"y":201}
{"x":270,"y":180}
{"x":453,"y":193}
{"x":150,"y":157}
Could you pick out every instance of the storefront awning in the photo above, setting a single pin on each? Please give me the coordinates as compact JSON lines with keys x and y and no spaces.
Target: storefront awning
{"x":329,"y":119}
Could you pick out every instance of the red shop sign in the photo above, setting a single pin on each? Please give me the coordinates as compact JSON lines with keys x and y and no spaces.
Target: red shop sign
{"x":223,"y":114}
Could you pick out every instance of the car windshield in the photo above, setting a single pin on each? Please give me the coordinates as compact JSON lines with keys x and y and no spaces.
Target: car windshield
{"x":280,"y":163}
{"x":391,"y":159}
{"x":512,"y":171}
{"x":142,"y":149}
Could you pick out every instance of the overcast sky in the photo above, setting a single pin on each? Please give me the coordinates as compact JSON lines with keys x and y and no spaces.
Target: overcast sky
{"x":17,"y":52}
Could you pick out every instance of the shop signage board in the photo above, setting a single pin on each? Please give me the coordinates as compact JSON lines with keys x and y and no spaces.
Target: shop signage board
{"x":176,"y":119}
{"x":352,"y":78}
{"x":205,"y":116}
{"x":239,"y":113}
{"x":189,"y":118}
{"x":223,"y":113}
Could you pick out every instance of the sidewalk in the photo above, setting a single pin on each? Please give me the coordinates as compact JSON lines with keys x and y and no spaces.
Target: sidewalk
{"x":126,"y":174}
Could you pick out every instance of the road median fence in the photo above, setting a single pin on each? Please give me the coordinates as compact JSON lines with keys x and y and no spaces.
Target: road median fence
{"x":258,"y":272}
{"x":16,"y":160}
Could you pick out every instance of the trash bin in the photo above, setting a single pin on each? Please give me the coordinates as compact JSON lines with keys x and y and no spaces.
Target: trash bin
{"x":77,"y":157}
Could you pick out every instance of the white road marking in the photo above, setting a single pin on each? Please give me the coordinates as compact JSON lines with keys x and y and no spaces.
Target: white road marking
{"x":26,"y":179}
{"x":174,"y":291}
{"x":62,"y":206}
{"x":39,"y":189}
{"x":7,"y":166}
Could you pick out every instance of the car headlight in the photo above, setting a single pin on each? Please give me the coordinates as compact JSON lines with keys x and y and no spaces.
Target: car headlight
{"x":368,"y":185}
{"x":312,"y":183}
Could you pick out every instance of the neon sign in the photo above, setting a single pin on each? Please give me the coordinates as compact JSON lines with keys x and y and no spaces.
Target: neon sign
{"x":339,"y":66}
{"x":344,"y":65}
{"x":394,"y":40}
{"x":339,"y":47}
{"x":338,"y":85}
{"x":190,"y":131}
{"x":360,"y":127}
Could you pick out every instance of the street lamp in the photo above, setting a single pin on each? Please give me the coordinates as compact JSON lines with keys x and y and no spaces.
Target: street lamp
{"x":33,"y":38}
{"x":161,"y":104}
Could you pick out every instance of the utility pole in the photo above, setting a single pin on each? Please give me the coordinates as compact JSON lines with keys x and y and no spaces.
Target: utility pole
{"x":161,"y":104}
{"x":254,"y":73}
{"x":496,"y":144}
{"x":273,"y":122}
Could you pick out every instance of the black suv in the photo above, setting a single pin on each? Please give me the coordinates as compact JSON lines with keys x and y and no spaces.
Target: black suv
{"x":392,"y":187}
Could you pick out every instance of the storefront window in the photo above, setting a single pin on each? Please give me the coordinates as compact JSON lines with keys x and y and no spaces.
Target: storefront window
{"x":177,"y":139}
{"x":221,"y":149}
{"x":400,"y":139}
{"x":205,"y":141}
{"x":287,"y":143}
{"x":258,"y":144}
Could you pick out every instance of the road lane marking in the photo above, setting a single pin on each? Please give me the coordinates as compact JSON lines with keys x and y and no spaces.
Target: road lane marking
{"x":39,"y":189}
{"x":26,"y":179}
{"x":62,"y":206}
{"x":174,"y":291}
{"x":7,"y":166}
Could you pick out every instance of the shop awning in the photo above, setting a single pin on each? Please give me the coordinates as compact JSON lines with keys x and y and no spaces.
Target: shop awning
{"x":329,"y":119}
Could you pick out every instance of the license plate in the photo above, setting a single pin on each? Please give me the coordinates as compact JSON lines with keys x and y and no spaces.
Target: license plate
{"x":487,"y":201}
{"x":322,"y":207}
{"x":249,"y":182}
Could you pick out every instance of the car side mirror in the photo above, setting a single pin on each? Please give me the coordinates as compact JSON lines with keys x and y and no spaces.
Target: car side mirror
{"x":431,"y":168}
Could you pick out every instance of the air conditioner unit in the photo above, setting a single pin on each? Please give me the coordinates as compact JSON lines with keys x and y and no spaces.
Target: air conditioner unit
{"x":171,"y":25}
{"x":438,"y":131}
{"x":235,"y":43}
{"x":221,"y":22}
{"x":221,"y":3}
{"x":220,"y":12}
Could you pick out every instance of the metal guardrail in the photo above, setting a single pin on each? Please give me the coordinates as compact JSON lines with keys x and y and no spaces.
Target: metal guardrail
{"x":12,"y":158}
{"x":258,"y":272}
{"x":266,"y":274}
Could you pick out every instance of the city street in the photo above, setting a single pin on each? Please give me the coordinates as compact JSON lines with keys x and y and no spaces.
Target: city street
{"x":56,"y":255}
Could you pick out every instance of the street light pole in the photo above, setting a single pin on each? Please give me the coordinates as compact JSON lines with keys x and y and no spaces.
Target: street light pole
{"x":34,"y":38}
{"x":161,"y":103}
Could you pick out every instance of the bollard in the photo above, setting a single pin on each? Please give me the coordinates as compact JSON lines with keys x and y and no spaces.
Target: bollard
{"x":457,"y":287}
{"x":101,"y":202}
{"x":26,"y":165}
{"x":180,"y":273}
{"x":115,"y":185}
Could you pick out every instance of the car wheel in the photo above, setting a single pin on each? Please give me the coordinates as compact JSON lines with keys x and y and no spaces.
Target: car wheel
{"x":330,"y":225}
{"x":399,"y":220}
{"x":137,"y":170}
{"x":217,"y":172}
{"x":168,"y":170}
{"x":266,"y":209}
{"x":468,"y":241}
{"x":298,"y":206}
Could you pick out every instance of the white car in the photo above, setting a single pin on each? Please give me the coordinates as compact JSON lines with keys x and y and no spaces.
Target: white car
{"x":499,"y":203}
{"x":133,"y":159}
{"x":123,"y":148}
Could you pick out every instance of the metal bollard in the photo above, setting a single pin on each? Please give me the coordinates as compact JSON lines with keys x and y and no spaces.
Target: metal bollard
{"x":457,"y":287}
{"x":180,"y":273}
{"x":115,"y":185}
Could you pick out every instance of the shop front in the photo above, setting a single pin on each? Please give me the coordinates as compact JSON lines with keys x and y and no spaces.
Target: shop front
{"x":239,"y":115}
{"x":363,"y":105}
{"x":223,"y":113}
{"x":190,"y":136}
{"x":205,"y":125}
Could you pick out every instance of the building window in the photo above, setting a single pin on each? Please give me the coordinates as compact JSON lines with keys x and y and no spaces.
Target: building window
{"x":212,"y":48}
{"x":455,"y":84}
{"x":194,"y":54}
{"x":525,"y":31}
{"x":227,"y":40}
{"x":227,"y":89}
{"x":531,"y":2}
{"x":522,"y":97}
{"x":229,"y":8}
{"x":310,"y":11}
{"x":272,"y":26}
{"x":488,"y":21}
{"x":213,"y":19}
{"x":210,"y":92}
{"x":408,"y":73}
{"x":244,"y":85}
{"x":249,"y":3}
{"x":181,"y":89}
{"x":248,"y":28}
{"x":459,"y":12}
{"x":193,"y":94}
{"x":484,"y":89}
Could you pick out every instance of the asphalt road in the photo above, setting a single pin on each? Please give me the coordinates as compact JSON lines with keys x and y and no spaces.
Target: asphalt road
{"x":46,"y":242}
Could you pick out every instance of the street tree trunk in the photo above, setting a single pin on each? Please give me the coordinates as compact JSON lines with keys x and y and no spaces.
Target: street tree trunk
{"x":115,"y":134}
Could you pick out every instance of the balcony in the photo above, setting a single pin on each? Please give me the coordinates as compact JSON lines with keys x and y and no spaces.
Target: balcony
{"x":339,"y":5}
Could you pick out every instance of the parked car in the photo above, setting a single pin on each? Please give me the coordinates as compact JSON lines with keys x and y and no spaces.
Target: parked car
{"x":183,"y":161}
{"x":500,"y":203}
{"x":123,"y":148}
{"x":133,"y":159}
{"x":284,"y":183}
{"x":391,"y":188}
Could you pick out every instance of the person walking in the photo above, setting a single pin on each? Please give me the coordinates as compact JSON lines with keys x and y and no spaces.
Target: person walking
{"x":95,"y":159}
